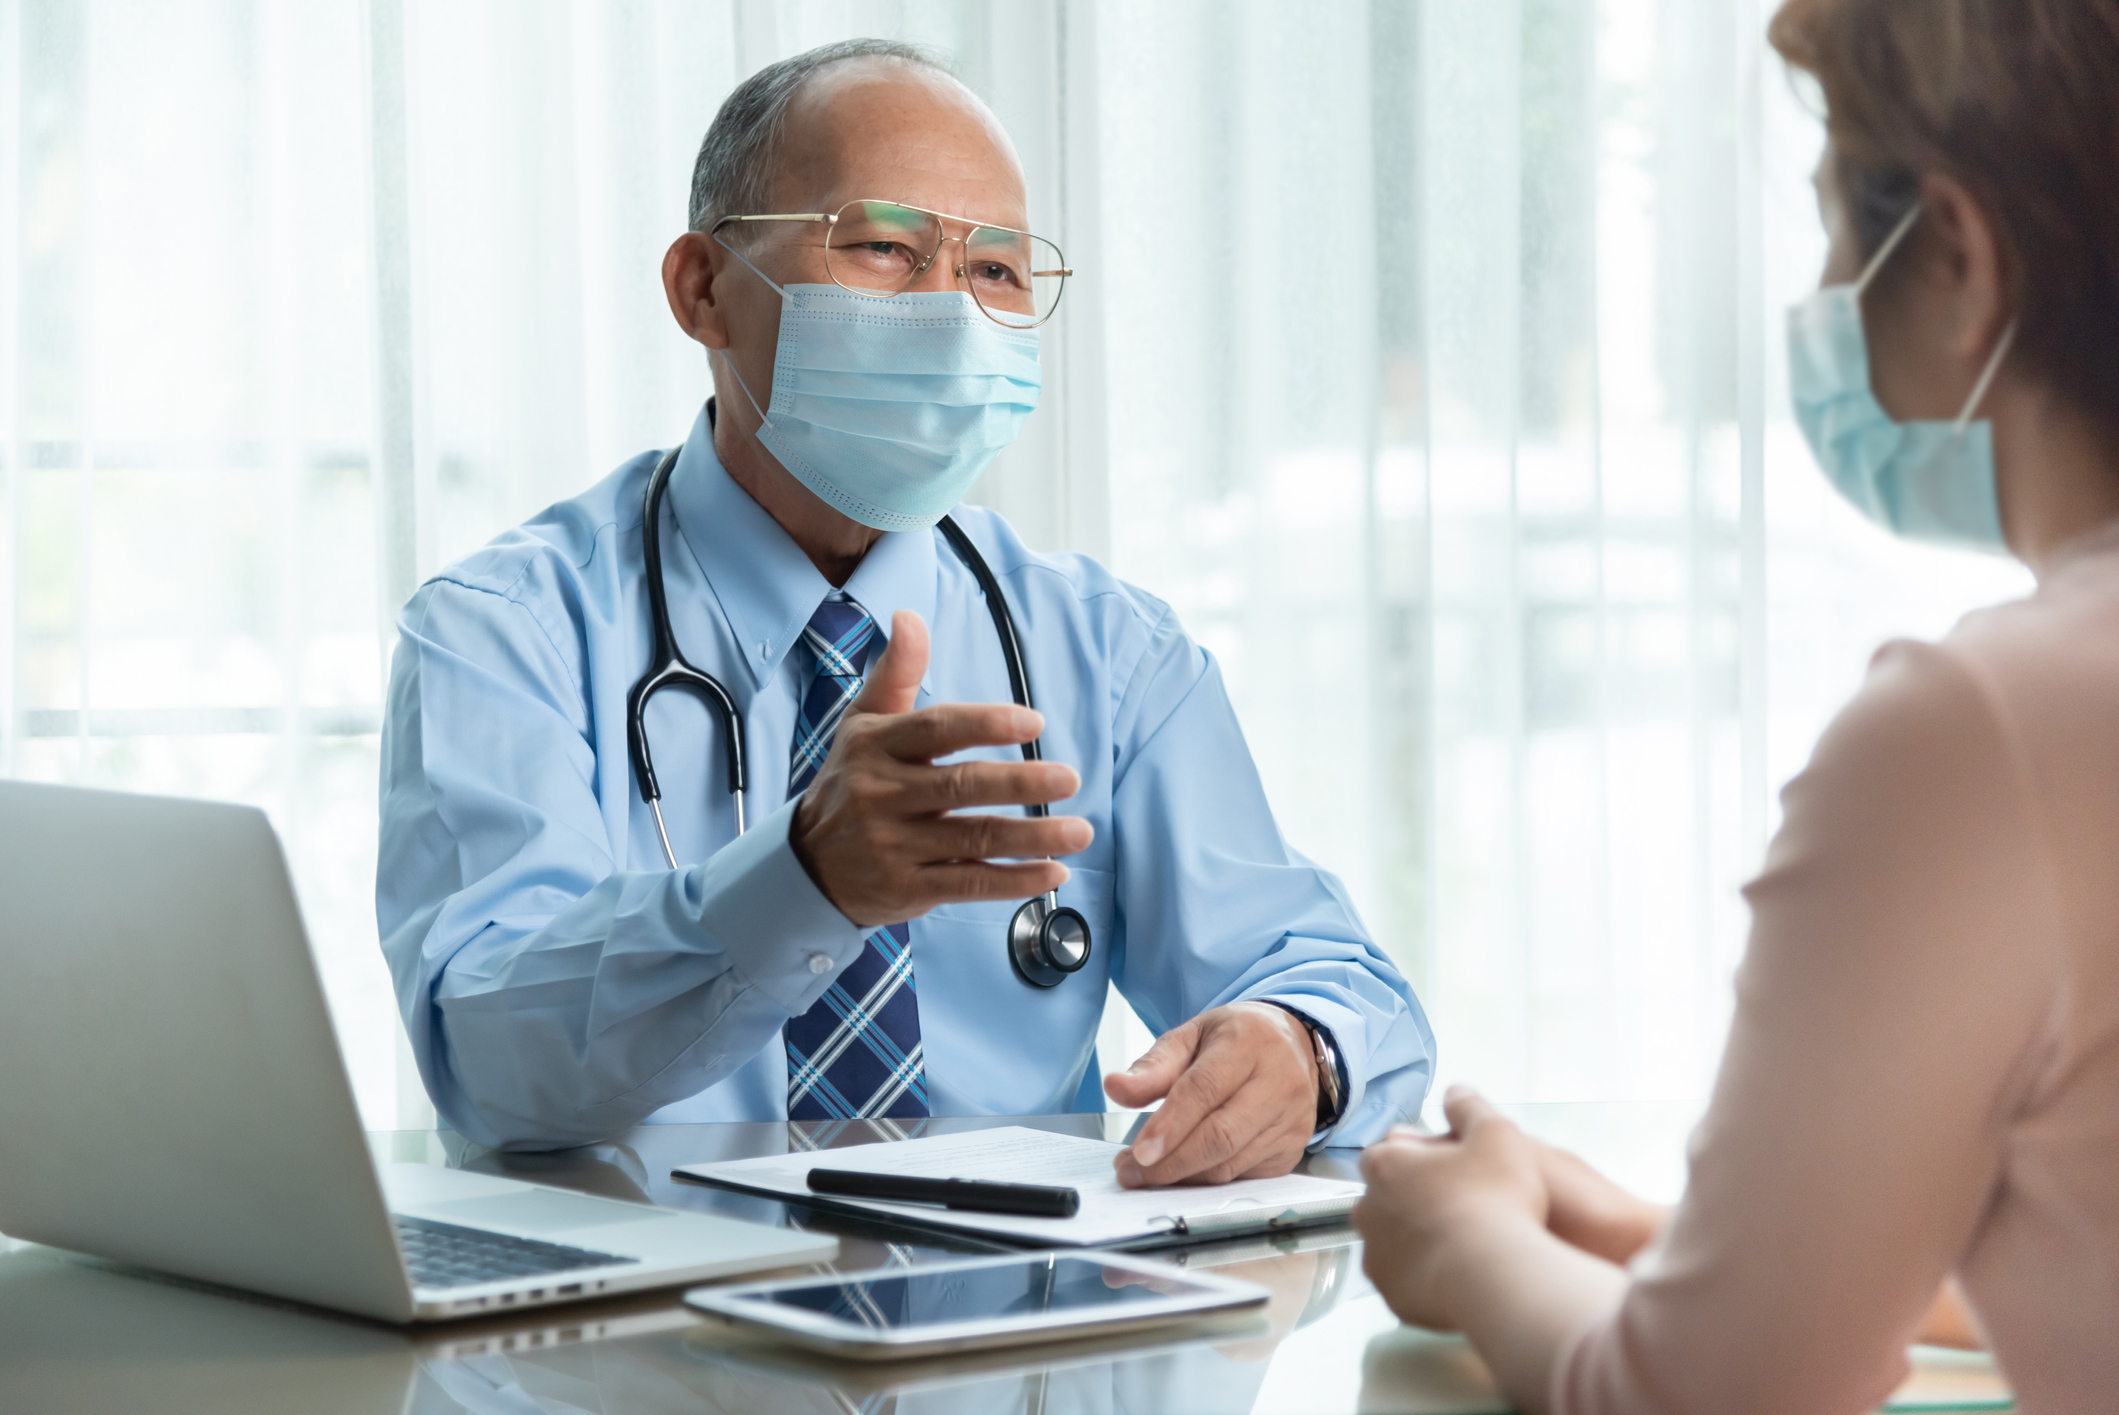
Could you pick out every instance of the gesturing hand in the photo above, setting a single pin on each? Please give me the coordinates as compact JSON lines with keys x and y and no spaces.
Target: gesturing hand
{"x":874,"y":829}
{"x":1241,"y":1083}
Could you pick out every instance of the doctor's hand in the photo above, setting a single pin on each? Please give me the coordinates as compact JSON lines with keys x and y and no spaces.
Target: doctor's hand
{"x":875,"y":830}
{"x":1239,"y":1092}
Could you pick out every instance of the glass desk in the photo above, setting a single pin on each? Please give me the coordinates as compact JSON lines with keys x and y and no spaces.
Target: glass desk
{"x":77,"y":1334}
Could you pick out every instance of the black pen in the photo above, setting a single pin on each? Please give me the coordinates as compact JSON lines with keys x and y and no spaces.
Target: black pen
{"x":1040,"y":1200}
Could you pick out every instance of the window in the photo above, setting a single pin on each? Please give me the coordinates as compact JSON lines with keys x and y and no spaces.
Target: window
{"x":1426,"y":357}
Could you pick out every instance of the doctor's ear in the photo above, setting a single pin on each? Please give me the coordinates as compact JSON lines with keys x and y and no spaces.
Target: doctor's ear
{"x":689,"y":270}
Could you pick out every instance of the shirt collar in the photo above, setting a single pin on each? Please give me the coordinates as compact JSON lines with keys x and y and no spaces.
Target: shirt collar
{"x":766,"y":586}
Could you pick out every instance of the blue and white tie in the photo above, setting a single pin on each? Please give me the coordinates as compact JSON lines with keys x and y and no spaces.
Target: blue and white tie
{"x":856,"y":1054}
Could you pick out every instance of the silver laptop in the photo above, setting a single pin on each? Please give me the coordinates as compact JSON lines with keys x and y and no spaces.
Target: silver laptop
{"x":172,"y":1094}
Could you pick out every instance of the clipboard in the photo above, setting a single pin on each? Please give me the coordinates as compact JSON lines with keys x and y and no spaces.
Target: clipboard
{"x":1110,"y":1216}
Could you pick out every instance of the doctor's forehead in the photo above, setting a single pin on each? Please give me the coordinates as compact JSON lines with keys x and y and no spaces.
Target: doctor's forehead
{"x":884,"y":129}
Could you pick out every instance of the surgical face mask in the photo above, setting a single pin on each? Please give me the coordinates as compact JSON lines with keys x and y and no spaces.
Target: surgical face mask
{"x":889,"y":409}
{"x":1929,"y":481}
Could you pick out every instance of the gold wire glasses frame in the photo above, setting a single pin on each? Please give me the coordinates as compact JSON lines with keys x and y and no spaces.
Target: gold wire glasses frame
{"x":881,"y":248}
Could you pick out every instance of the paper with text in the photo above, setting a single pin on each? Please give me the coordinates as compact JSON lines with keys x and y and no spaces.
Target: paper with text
{"x":1110,"y":1216}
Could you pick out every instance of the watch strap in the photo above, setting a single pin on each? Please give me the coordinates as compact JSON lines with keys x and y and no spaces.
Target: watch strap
{"x":1331,"y":1066}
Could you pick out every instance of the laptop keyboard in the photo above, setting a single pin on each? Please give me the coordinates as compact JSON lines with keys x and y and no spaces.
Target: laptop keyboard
{"x":444,"y":1255}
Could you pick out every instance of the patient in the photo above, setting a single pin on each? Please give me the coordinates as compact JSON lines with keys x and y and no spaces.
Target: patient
{"x":1922,"y":1078}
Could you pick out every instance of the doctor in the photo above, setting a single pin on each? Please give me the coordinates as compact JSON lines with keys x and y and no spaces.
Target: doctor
{"x":847,"y":955}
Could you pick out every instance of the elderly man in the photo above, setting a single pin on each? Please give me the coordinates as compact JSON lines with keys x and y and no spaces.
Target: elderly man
{"x":573,"y":959}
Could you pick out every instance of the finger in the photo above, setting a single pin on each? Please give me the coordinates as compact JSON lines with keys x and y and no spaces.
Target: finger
{"x":1254,"y":1116}
{"x":1466,"y":1108}
{"x":948,"y":728}
{"x":893,"y":681}
{"x":1381,"y":1161}
{"x":1150,"y":1076}
{"x":1270,"y":1153}
{"x":971,"y":882}
{"x":1201,"y":1089}
{"x":963,"y":785}
{"x":997,"y":837}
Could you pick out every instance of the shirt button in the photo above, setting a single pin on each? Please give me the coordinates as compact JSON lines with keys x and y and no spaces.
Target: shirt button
{"x":765,"y":648}
{"x":820,"y":963}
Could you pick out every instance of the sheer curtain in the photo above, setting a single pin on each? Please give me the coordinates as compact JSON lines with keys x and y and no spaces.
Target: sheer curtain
{"x":1455,"y":424}
{"x":1425,"y":356}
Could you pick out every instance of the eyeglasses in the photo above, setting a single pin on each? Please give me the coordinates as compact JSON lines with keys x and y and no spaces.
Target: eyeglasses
{"x":881,"y":248}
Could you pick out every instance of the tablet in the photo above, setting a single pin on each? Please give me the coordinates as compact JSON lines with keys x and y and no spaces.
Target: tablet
{"x":980,"y":1302}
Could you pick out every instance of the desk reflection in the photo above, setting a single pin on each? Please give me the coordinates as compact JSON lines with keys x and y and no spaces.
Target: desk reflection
{"x":689,"y":1374}
{"x":711,"y":1368}
{"x":78,"y":1334}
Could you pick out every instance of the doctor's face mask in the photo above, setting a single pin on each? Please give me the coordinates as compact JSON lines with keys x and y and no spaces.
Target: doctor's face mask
{"x":1928,"y":481}
{"x":889,"y":409}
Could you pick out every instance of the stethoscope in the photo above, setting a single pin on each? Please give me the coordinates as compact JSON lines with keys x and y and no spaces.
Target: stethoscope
{"x":1046,"y":939}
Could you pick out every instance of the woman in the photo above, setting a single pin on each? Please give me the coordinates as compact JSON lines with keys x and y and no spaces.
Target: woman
{"x":1922,"y":1076}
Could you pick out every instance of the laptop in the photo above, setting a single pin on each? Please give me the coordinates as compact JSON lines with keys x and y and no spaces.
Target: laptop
{"x":172,"y":1093}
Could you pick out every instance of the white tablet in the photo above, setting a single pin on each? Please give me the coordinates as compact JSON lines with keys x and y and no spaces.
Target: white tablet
{"x":961,"y":1306}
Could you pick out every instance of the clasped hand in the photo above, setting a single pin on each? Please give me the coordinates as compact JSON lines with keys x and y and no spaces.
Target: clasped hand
{"x":1440,"y":1205}
{"x":877,"y":831}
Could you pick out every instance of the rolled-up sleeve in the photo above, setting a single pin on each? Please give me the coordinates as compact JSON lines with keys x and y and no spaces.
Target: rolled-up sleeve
{"x":1218,"y":908}
{"x":552,"y":997}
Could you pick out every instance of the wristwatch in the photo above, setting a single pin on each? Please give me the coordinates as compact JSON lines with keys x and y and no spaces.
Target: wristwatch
{"x":1331,"y":1071}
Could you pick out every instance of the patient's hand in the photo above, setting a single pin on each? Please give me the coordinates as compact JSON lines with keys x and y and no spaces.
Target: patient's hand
{"x":1441,"y":1207}
{"x":1590,"y":1211}
{"x":1239,"y":1092}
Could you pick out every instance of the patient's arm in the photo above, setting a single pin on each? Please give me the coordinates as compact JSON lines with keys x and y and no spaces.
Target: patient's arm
{"x":1599,"y":1217}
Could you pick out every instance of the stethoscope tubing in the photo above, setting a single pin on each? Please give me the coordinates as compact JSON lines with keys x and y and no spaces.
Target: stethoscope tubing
{"x":1011,"y":648}
{"x":668,"y":668}
{"x":1030,"y":941}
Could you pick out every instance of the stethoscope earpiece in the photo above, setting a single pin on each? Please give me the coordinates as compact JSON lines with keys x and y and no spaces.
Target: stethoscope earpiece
{"x":1047,"y":941}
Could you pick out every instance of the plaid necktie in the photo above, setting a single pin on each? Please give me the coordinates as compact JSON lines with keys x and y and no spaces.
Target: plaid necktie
{"x":856,"y":1054}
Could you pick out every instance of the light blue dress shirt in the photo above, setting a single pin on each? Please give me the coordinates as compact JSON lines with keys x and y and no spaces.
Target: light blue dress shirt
{"x":560,"y":983}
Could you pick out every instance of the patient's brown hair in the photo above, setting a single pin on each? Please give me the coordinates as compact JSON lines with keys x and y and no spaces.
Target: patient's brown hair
{"x":2017,"y":100}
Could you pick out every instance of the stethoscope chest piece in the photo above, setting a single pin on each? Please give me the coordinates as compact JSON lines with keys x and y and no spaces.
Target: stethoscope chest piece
{"x":1047,"y":941}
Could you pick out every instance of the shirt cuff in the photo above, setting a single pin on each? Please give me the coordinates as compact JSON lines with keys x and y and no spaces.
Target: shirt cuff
{"x":773,"y":924}
{"x":1346,"y":1091}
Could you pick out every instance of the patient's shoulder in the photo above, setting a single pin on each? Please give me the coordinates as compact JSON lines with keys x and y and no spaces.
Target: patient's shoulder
{"x":2000,"y":735}
{"x":2063,"y":639}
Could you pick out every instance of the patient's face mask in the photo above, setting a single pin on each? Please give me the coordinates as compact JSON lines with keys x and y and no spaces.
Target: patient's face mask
{"x":889,"y":409}
{"x":1928,"y":481}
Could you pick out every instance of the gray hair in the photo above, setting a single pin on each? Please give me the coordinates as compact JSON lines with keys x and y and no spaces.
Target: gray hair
{"x":734,"y":172}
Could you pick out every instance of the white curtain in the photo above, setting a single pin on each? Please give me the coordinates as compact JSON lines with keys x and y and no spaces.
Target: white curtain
{"x":1425,"y":356}
{"x":1447,"y":405}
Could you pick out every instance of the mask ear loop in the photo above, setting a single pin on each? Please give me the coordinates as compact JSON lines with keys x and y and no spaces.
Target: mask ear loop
{"x":779,"y":290}
{"x":2001,"y":350}
{"x":1876,"y":262}
{"x":1979,"y":389}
